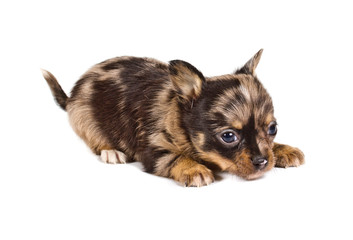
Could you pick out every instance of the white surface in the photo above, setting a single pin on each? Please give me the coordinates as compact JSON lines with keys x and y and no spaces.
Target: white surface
{"x":52,"y":187}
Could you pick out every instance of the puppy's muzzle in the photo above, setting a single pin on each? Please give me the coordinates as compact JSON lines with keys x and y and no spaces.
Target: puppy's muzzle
{"x":259,"y":162}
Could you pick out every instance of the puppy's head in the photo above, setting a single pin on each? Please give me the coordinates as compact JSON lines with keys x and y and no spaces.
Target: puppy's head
{"x":229,"y":119}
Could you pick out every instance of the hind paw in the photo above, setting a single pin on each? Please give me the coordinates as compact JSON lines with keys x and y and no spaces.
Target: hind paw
{"x":112,"y":157}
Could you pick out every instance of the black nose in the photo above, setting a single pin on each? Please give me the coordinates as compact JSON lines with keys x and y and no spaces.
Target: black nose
{"x":259,"y":162}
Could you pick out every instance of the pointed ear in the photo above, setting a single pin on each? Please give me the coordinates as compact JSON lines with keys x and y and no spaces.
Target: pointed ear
{"x":186,"y":78}
{"x":250,"y":66}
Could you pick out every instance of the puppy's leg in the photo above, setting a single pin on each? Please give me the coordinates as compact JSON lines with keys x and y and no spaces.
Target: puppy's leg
{"x":190,"y":173}
{"x":112,"y":156}
{"x":287,"y":156}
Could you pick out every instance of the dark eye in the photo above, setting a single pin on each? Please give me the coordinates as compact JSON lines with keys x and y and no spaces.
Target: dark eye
{"x":272,"y":129}
{"x":229,"y":136}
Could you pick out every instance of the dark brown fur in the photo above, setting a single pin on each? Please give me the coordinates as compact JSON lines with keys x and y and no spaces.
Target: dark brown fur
{"x":174,"y":120}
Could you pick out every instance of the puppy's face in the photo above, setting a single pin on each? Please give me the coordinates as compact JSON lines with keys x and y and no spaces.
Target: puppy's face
{"x":232,"y":124}
{"x":235,"y":125}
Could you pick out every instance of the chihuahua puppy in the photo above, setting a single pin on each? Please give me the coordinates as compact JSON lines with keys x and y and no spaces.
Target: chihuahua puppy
{"x":176,"y":122}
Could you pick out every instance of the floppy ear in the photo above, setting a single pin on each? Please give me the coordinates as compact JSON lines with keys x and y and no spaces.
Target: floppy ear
{"x":186,"y":78}
{"x":250,"y":66}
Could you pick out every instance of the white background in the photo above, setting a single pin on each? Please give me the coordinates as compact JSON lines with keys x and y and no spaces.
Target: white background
{"x":53,"y":187}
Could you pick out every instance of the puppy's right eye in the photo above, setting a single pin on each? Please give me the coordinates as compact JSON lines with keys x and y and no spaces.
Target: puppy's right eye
{"x":229,"y":137}
{"x":272,"y":129}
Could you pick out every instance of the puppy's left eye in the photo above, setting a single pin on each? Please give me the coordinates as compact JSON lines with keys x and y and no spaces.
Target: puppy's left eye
{"x":272,"y":129}
{"x":229,"y":137}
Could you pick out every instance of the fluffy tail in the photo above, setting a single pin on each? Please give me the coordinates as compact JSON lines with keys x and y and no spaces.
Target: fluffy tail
{"x":58,"y":93}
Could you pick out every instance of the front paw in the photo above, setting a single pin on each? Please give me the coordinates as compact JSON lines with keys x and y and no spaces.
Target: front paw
{"x":192,"y":174}
{"x":197,"y":176}
{"x":287,"y":156}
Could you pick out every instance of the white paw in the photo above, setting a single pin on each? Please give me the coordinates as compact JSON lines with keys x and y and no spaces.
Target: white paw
{"x":112,"y":157}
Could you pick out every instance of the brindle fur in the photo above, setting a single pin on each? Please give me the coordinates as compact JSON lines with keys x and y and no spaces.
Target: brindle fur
{"x":169,"y":117}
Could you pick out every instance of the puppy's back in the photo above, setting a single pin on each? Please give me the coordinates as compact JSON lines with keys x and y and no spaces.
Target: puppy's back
{"x":113,"y":105}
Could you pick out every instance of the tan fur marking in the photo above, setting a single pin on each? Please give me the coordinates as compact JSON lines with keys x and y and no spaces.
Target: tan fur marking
{"x":255,"y":175}
{"x":245,"y":92}
{"x":225,"y":77}
{"x":200,"y":139}
{"x":237,"y":124}
{"x":287,"y":156}
{"x":171,"y":123}
{"x":82,"y":121}
{"x":162,"y":165}
{"x":190,"y":173}
{"x":241,"y":111}
{"x":223,"y":163}
{"x":158,"y":140}
{"x":270,"y":118}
